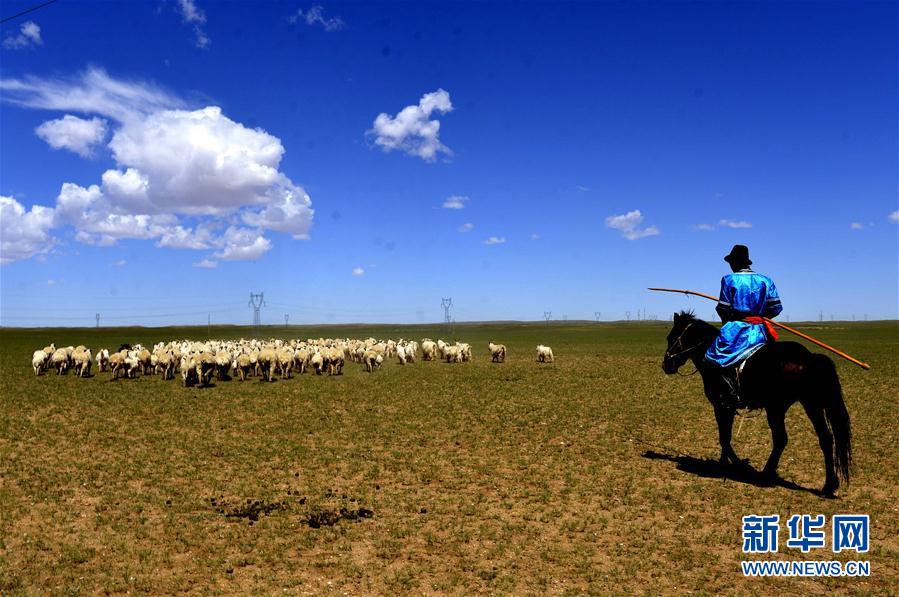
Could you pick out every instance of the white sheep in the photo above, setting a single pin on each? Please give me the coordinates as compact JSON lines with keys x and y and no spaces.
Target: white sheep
{"x":132,"y":366}
{"x":372,"y":360}
{"x":265,"y":362}
{"x":222,"y":365}
{"x":204,"y":364}
{"x":83,"y":359}
{"x":544,"y":354}
{"x":317,"y":362}
{"x":188,"y":373}
{"x":117,"y":363}
{"x":242,"y":365}
{"x":497,"y":352}
{"x":102,"y":359}
{"x":60,"y":360}
{"x":334,"y":361}
{"x":39,"y":361}
{"x":285,"y":358}
{"x":165,"y":364}
{"x":453,"y":354}
{"x":428,"y":350}
{"x":301,"y":360}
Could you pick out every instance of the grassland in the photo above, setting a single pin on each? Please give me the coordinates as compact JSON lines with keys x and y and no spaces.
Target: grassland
{"x":592,"y":474}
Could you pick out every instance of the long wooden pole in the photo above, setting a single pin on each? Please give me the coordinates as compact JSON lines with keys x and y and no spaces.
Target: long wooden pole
{"x":780,"y":325}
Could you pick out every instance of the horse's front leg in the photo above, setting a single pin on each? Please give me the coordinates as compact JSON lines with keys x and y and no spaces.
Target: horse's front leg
{"x":776,"y":418}
{"x":725,"y":418}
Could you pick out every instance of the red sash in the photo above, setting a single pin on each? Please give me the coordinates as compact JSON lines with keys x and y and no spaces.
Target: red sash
{"x":756,"y":320}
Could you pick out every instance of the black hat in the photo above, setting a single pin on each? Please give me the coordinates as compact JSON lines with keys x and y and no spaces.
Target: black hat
{"x":739,"y":255}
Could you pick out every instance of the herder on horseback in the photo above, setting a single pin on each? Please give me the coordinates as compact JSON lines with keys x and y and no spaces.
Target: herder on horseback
{"x":745,"y":298}
{"x":778,"y":375}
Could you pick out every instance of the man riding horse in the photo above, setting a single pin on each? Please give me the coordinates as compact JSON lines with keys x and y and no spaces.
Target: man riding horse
{"x":745,"y":298}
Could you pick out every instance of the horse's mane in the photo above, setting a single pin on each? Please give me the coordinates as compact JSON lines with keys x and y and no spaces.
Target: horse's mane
{"x":690,"y":317}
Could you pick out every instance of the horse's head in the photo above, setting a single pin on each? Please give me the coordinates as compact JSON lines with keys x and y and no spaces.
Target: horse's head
{"x":685,"y":338}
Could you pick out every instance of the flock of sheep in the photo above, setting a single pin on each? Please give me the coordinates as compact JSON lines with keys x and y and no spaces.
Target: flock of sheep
{"x":197,"y":362}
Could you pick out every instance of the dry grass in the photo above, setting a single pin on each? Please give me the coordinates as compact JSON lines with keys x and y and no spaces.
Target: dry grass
{"x":586,"y":475}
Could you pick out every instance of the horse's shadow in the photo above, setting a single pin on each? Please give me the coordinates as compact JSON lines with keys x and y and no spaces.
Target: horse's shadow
{"x":712,"y":469}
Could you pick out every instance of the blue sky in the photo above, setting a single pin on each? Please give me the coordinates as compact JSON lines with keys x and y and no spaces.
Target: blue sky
{"x":590,"y":150}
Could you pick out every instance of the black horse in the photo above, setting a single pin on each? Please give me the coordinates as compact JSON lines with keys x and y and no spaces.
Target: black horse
{"x":774,"y":378}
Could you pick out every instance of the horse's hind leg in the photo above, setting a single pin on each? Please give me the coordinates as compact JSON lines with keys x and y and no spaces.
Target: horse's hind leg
{"x":825,"y":440}
{"x":725,"y":419}
{"x":776,"y":418}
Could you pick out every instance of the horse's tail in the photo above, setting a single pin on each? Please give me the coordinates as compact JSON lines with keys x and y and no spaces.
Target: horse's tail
{"x":835,"y":412}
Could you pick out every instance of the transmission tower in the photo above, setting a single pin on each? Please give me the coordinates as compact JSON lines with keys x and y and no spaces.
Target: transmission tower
{"x":627,"y":314}
{"x":446,"y":304}
{"x":597,"y":315}
{"x":98,"y":320}
{"x":286,"y":318}
{"x":257,"y":301}
{"x":547,"y":315}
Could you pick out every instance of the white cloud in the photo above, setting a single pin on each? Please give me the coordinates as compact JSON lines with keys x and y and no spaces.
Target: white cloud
{"x":455,"y":202}
{"x":412,"y":130}
{"x":203,"y":163}
{"x":467,"y":227}
{"x":629,"y":225}
{"x":190,"y":13}
{"x":734,"y":223}
{"x":29,"y":35}
{"x":128,"y":190}
{"x":206,"y":264}
{"x":894,"y":217}
{"x":856,"y":226}
{"x":582,"y":188}
{"x":358,"y":271}
{"x":118,"y":263}
{"x":90,"y":92}
{"x":73,"y":133}
{"x":703,"y":227}
{"x":239,"y":244}
{"x":179,"y":237}
{"x":316,"y":16}
{"x":495,"y":240}
{"x":289,"y":211}
{"x":23,"y":234}
{"x":535,"y":236}
{"x":179,"y":173}
{"x":89,"y":212}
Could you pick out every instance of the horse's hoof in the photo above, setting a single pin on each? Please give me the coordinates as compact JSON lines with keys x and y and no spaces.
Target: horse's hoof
{"x":742,"y":465}
{"x":768,"y":478}
{"x":829,"y":489}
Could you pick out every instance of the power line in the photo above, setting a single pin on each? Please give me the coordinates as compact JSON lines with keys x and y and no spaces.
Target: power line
{"x":26,"y":11}
{"x":257,"y":301}
{"x":447,"y":303}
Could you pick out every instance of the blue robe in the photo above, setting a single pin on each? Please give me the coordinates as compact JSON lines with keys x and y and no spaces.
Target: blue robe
{"x":743,"y":294}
